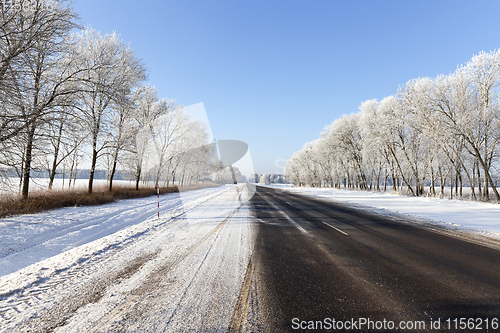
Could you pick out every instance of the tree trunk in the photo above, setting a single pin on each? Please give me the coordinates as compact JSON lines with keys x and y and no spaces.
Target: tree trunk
{"x":27,"y":162}
{"x":21,"y":173}
{"x":486,"y":188}
{"x":56,"y":153}
{"x":486,"y":167}
{"x":92,"y":168}
{"x":113,"y":170}
{"x":479,"y":189}
{"x":451,"y":186}
{"x":442,"y":181}
{"x":71,"y":170}
{"x":432,"y":189}
{"x":487,"y":176}
{"x":137,"y":178}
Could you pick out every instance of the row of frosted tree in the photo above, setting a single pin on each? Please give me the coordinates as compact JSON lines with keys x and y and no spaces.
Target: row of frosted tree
{"x":267,"y":178}
{"x":70,"y":95}
{"x":434,"y":135}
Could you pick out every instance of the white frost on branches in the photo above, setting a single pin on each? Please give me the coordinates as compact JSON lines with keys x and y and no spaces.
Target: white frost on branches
{"x":433,"y":132}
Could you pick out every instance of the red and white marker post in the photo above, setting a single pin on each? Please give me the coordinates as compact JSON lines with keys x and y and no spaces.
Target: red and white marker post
{"x":158,"y":193}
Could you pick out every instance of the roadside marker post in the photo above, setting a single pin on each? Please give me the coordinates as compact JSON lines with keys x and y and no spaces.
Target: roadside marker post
{"x":158,"y":194}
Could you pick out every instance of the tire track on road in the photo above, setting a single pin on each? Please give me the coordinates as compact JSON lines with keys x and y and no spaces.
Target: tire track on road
{"x":382,"y":269}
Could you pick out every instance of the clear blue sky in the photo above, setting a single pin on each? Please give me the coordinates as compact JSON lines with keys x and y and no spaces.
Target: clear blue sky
{"x":274,"y":73}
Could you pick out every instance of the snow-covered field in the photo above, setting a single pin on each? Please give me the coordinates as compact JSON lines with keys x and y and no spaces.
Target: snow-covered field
{"x":474,"y":217}
{"x":11,"y":186}
{"x":119,"y":267}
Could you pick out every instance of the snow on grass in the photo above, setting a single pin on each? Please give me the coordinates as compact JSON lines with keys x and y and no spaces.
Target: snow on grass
{"x":455,"y":214}
{"x":11,"y":186}
{"x":64,"y":255}
{"x":28,"y":239}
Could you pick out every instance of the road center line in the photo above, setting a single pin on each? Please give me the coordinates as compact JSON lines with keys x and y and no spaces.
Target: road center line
{"x":331,"y":226}
{"x":284,"y":214}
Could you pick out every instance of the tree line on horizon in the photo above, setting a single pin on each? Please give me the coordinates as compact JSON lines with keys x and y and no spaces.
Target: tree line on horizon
{"x":70,"y":94}
{"x":435,"y":132}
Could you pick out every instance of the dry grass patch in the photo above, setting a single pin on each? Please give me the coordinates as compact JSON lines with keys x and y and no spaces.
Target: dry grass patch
{"x":43,"y":201}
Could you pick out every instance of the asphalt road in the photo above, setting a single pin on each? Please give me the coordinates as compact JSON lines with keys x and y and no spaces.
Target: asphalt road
{"x":316,"y":261}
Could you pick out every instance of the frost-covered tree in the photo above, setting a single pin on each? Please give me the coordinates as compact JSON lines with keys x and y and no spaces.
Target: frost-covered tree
{"x":167,"y":131}
{"x":482,"y":134}
{"x":43,"y":78}
{"x":63,"y":93}
{"x":122,"y":130}
{"x":23,"y":31}
{"x":115,"y":70}
{"x":147,"y":111}
{"x":444,"y":130}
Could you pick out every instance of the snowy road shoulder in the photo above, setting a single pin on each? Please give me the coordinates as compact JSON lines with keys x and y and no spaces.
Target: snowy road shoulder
{"x":475,"y":218}
{"x":29,"y":239}
{"x":193,"y":261}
